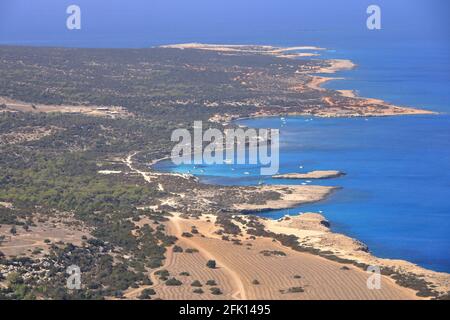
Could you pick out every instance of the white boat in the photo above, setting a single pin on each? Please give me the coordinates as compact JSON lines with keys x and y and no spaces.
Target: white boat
{"x":246,"y":172}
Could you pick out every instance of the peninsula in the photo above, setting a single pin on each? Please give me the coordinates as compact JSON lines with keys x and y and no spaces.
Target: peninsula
{"x":79,"y":130}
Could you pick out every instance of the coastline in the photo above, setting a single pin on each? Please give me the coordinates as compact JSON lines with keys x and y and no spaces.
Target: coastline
{"x":310,"y":237}
{"x":336,"y":65}
{"x":256,"y":85}
{"x":317,"y":239}
{"x":344,"y":248}
{"x":315,"y":234}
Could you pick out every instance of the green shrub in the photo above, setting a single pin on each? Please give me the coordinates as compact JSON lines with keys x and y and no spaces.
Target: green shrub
{"x":216,"y":291}
{"x":295,"y":290}
{"x":211,"y":264}
{"x":146,"y":293}
{"x":196,"y":283}
{"x":211,"y":283}
{"x":173,"y":282}
{"x":177,"y":249}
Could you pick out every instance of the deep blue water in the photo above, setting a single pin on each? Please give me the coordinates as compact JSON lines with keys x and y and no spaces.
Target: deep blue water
{"x":396,"y":194}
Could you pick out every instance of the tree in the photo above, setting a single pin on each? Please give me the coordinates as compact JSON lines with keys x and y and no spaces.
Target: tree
{"x":211,"y":283}
{"x":177,"y":249}
{"x":211,"y":264}
{"x":173,"y":282}
{"x":187,"y":235}
{"x":216,"y":291}
{"x":146,"y":293}
{"x":196,"y":283}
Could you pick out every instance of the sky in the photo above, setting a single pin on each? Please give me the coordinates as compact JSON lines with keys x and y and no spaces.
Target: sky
{"x":141,"y":23}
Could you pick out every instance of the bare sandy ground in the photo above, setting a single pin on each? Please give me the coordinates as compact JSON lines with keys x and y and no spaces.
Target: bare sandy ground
{"x":348,"y":93}
{"x":98,"y":111}
{"x":25,"y":242}
{"x":317,"y":81}
{"x":149,"y":176}
{"x":336,"y":65}
{"x":6,"y":204}
{"x":240,"y":265}
{"x":313,"y":230}
{"x":291,"y":196}
{"x":193,"y":263}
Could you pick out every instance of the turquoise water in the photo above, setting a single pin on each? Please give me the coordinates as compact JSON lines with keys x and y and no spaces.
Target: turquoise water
{"x":396,"y":194}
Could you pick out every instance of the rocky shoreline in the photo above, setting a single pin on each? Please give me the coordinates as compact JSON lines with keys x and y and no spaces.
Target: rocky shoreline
{"x":312,"y":230}
{"x":317,"y":174}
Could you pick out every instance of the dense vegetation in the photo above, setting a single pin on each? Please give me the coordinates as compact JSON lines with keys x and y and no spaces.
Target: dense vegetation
{"x":167,"y":84}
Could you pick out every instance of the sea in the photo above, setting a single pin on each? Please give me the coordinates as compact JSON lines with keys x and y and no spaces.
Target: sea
{"x":395,"y":196}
